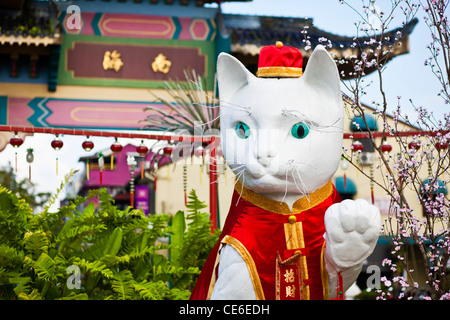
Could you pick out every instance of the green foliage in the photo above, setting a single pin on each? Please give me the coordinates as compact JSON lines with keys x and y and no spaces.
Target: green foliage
{"x":190,"y":245}
{"x":83,"y":251}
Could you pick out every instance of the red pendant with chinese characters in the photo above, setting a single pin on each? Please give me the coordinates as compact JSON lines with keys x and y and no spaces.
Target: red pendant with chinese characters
{"x":289,"y":279}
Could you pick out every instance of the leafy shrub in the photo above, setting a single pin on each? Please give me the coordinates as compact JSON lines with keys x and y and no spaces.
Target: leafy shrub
{"x":87,"y":252}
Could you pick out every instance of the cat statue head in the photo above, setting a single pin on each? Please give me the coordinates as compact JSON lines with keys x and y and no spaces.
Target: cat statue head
{"x":282,"y":137}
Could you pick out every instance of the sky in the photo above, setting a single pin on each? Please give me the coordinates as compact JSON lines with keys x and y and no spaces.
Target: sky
{"x":405,"y":77}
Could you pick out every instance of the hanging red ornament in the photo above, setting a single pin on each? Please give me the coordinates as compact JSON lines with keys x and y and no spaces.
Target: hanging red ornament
{"x":339,"y":288}
{"x":101,"y":165}
{"x":87,"y":145}
{"x":441,"y":145}
{"x":142,"y":150}
{"x":116,"y":147}
{"x":57,"y":144}
{"x":357,"y":146}
{"x":167,"y":151}
{"x":30,"y":159}
{"x":414,"y":145}
{"x":386,"y":147}
{"x":16,"y":142}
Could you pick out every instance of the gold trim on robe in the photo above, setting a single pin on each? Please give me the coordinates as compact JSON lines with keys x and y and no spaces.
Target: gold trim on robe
{"x":324,"y":273}
{"x":239,"y":247}
{"x":302,"y":204}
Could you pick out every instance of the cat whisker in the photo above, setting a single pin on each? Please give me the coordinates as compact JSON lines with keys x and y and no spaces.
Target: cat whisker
{"x":322,"y":129}
{"x":291,"y":161}
{"x":305,"y":191}
{"x":227,"y":171}
{"x":207,"y":122}
{"x":217,"y":102}
{"x":286,"y":182}
{"x":208,"y":106}
{"x":312,"y":125}
{"x":295,"y":181}
{"x":238,"y":176}
{"x":225,"y":175}
{"x":235,"y":107}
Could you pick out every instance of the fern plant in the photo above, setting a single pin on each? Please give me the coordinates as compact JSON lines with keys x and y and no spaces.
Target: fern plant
{"x":115,"y":254}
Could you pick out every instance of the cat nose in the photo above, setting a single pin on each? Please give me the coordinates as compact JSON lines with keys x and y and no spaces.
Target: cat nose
{"x":266,"y":146}
{"x":265,"y":161}
{"x":265,"y":157}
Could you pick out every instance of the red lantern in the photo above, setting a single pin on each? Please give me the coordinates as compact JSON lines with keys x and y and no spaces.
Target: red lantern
{"x":441,"y":145}
{"x":414,"y":145}
{"x":116,"y":147}
{"x":357,"y":146}
{"x":16,"y":141}
{"x":88,"y":145}
{"x":57,"y":143}
{"x":386,"y":148}
{"x":142,"y":149}
{"x":167,"y":151}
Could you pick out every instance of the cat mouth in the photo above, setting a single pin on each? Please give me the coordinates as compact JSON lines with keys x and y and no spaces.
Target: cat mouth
{"x":256,"y":175}
{"x":262,"y":175}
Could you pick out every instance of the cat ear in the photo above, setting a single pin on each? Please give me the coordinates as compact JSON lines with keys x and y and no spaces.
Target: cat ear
{"x":231,"y":75}
{"x":322,"y":74}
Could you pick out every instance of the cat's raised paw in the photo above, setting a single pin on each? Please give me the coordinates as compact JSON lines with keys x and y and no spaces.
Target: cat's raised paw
{"x":352,"y":230}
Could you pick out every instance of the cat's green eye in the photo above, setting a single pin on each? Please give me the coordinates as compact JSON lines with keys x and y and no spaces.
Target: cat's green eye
{"x":242,"y":130}
{"x":299,"y":130}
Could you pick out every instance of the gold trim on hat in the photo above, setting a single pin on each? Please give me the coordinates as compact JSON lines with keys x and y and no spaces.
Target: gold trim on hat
{"x":279,"y":72}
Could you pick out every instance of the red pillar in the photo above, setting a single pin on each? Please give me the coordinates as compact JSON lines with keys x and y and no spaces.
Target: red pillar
{"x":213,"y":185}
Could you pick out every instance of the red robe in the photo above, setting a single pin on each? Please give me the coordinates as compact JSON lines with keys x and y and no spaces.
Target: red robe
{"x":283,"y":249}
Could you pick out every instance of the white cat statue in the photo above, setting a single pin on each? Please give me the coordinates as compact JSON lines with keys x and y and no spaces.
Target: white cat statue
{"x":287,"y":235}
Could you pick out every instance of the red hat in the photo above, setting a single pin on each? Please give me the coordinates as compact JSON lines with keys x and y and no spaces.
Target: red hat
{"x":279,"y":61}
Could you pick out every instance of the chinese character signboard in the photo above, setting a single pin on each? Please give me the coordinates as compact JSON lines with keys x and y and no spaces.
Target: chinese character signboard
{"x":130,"y":65}
{"x":94,"y":60}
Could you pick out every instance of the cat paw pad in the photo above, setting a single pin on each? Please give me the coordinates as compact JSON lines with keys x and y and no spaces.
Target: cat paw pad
{"x":352,"y":229}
